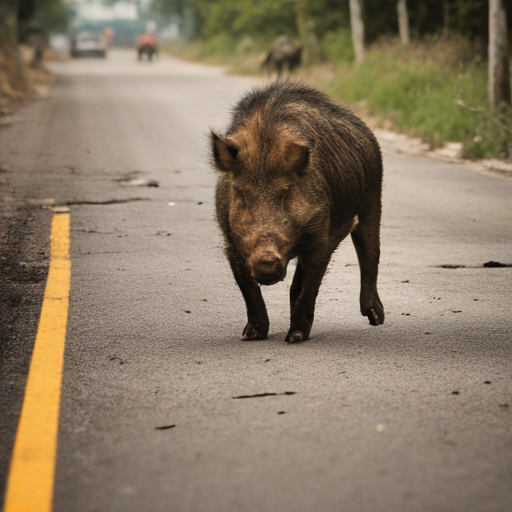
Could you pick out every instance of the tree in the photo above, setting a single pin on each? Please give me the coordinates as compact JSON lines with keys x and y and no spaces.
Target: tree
{"x":185,"y":10}
{"x":19,"y":18}
{"x":188,"y":25}
{"x":357,"y":25}
{"x":9,"y":22}
{"x":499,"y":55}
{"x":403,"y":22}
{"x":446,"y":16}
{"x":311,"y":50}
{"x":13,"y":82}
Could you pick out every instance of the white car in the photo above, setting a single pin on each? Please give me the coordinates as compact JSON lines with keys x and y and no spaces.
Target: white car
{"x":88,"y":43}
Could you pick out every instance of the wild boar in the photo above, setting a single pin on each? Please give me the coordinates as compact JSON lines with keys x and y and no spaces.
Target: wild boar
{"x":282,"y":55}
{"x":297,"y":173}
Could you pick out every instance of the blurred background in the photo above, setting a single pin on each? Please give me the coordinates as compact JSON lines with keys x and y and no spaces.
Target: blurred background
{"x":417,"y":66}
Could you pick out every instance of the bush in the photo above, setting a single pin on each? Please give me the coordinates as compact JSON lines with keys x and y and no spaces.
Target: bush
{"x":337,"y":46}
{"x":221,"y":45}
{"x":492,"y":136}
{"x":431,"y":89}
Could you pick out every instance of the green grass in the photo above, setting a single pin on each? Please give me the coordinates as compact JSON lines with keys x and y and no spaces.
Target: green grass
{"x":242,"y":57}
{"x":433,"y":90}
{"x":337,"y":46}
{"x":492,"y":136}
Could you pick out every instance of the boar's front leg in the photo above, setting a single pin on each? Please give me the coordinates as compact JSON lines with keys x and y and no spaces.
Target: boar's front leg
{"x":257,"y":317}
{"x":303,"y":292}
{"x":366,"y":238}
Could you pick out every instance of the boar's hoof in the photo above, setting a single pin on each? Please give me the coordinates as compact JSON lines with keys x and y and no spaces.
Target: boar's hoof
{"x":376,"y":315}
{"x":295,"y":337}
{"x":254,"y":332}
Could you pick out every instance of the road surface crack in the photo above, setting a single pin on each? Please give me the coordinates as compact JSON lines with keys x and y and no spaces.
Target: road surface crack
{"x":265,"y":394}
{"x":102,"y":203}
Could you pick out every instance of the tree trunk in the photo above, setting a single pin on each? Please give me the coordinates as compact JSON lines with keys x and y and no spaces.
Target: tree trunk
{"x":9,"y":22}
{"x":357,"y":25}
{"x":499,"y":55}
{"x":311,"y":50}
{"x":446,"y":16}
{"x":13,"y":81}
{"x":189,"y":23}
{"x":403,"y":22}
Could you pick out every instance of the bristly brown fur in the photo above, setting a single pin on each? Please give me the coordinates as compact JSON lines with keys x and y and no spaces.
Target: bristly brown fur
{"x":296,"y":169}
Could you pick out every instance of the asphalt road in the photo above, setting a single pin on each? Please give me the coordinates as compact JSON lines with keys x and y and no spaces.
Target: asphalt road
{"x":155,"y":321}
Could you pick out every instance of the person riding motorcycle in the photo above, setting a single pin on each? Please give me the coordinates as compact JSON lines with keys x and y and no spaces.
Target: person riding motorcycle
{"x":147,"y":45}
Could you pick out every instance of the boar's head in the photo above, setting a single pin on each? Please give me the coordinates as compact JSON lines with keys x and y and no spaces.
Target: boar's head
{"x":265,"y":199}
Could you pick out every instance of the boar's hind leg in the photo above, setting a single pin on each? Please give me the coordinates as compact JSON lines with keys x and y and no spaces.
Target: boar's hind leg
{"x":257,"y":317}
{"x":366,"y":239}
{"x":303,"y":292}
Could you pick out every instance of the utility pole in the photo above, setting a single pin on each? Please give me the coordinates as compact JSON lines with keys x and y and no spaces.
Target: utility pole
{"x":499,"y":55}
{"x":188,"y":22}
{"x":357,"y":26}
{"x":403,"y":22}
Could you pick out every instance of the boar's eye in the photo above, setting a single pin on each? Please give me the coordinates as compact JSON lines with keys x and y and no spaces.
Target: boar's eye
{"x":238,"y":195}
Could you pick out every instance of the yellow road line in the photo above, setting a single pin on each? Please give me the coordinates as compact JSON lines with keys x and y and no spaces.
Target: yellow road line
{"x":31,"y":475}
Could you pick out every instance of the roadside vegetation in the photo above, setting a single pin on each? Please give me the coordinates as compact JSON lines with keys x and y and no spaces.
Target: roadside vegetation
{"x":435,"y":89}
{"x":24,"y":29}
{"x":431,"y":82}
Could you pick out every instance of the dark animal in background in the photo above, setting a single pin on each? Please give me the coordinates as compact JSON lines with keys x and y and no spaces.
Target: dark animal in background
{"x":282,"y":55}
{"x":298,"y":173}
{"x":37,"y":41}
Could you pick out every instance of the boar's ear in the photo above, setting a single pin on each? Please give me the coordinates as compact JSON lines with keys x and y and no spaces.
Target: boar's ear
{"x":224,"y":153}
{"x":297,"y":157}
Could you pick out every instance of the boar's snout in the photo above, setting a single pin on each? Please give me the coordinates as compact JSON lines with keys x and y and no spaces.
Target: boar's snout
{"x":269,"y":269}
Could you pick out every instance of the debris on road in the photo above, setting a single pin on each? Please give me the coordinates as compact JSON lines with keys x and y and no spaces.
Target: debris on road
{"x":489,"y":264}
{"x":137,"y":182}
{"x":165,"y":427}
{"x":60,"y":209}
{"x":43,"y":203}
{"x":265,"y":394}
{"x":143,"y":183}
{"x":496,"y":264}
